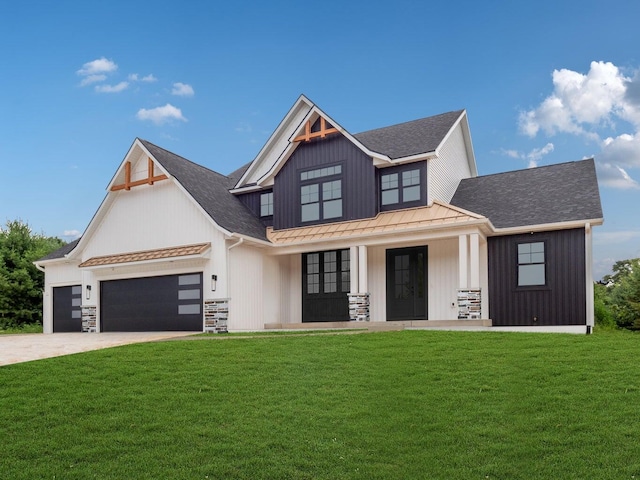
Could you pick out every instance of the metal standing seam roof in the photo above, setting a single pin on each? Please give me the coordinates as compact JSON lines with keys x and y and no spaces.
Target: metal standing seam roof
{"x":397,"y":221}
{"x":145,"y":255}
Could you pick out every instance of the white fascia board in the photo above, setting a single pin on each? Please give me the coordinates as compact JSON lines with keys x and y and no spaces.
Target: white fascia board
{"x":463,"y":121}
{"x":272,"y":138}
{"x":251,"y":240}
{"x":547,"y":227}
{"x":247,"y":189}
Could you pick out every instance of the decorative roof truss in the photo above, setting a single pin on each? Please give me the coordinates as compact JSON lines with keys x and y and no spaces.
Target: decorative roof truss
{"x":150,"y":180}
{"x":322,"y":133}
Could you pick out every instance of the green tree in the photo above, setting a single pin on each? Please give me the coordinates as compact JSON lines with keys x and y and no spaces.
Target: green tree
{"x":21,"y":283}
{"x":602,"y":306}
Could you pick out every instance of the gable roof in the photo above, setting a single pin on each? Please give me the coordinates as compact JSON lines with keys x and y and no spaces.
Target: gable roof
{"x":61,"y":252}
{"x":536,"y":196}
{"x":211,"y":190}
{"x":410,"y":138}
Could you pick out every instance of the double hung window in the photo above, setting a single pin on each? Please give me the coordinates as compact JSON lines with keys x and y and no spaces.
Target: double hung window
{"x":266,"y":204}
{"x":321,"y":194}
{"x":531,"y":264}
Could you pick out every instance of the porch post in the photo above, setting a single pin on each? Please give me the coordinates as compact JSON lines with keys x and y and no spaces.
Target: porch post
{"x":359,"y":296}
{"x":475,"y":261}
{"x":588,"y":244}
{"x":353,"y":267}
{"x":462,"y":261}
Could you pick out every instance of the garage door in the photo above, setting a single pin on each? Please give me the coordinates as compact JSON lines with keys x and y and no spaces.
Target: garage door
{"x":153,"y":304}
{"x":67,"y":314}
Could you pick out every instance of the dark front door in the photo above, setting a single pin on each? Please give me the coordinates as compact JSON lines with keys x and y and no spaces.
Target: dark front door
{"x":325,"y":285}
{"x":167,"y":303}
{"x":67,"y":314}
{"x":407,"y":283}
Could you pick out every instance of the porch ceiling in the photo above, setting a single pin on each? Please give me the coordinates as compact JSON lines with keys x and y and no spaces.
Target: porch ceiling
{"x":146,"y":255}
{"x":397,"y":221}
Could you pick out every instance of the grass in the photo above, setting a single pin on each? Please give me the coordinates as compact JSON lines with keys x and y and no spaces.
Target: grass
{"x":411,"y":404}
{"x":26,"y":328}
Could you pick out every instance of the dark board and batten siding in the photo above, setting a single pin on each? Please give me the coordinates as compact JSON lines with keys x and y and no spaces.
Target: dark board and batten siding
{"x":358,"y":180}
{"x":252,"y":202}
{"x":562,"y":301}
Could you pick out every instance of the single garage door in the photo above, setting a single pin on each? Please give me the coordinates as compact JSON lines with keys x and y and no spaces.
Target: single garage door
{"x":153,"y":304}
{"x":67,"y":312}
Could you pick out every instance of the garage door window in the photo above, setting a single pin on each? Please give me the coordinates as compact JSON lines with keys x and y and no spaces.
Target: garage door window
{"x":189,"y":294}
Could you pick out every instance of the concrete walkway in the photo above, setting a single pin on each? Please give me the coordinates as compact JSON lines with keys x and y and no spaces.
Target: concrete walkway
{"x":34,"y":346}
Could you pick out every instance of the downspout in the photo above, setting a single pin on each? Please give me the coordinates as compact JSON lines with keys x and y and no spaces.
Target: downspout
{"x":39,"y":267}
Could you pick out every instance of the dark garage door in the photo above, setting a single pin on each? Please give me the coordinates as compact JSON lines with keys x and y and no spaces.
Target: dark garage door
{"x":67,"y":314}
{"x":153,"y":304}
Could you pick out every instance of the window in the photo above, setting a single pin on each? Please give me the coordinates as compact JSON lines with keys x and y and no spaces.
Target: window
{"x":321,"y":200}
{"x":327,"y":272}
{"x":266,"y":204}
{"x":531,"y":264}
{"x":401,"y":187}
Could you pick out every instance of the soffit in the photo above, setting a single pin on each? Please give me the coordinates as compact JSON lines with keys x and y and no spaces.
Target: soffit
{"x":147,"y":255}
{"x":396,"y":221}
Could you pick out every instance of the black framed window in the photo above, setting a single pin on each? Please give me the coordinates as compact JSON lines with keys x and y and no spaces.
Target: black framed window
{"x":402,"y":187}
{"x":531,"y":264}
{"x":327,"y":272}
{"x":266,"y":204}
{"x":321,"y":194}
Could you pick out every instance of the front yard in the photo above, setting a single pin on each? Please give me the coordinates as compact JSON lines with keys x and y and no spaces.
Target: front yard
{"x":412,"y":404}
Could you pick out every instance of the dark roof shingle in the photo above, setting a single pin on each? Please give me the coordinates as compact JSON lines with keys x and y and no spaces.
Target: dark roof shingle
{"x":61,"y":252}
{"x":409,"y":138}
{"x":536,"y":196}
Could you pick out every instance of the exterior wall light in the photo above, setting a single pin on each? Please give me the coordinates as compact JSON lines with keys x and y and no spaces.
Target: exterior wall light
{"x":214,"y":281}
{"x":88,"y":292}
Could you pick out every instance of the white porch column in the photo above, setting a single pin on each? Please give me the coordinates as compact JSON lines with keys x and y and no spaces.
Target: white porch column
{"x":362,"y":269}
{"x":463,"y":261}
{"x":475,"y":261}
{"x":353,"y":268}
{"x":588,"y":248}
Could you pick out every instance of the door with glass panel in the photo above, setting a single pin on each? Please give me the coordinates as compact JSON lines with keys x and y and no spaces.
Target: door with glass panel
{"x":325,"y":285}
{"x":407,"y":283}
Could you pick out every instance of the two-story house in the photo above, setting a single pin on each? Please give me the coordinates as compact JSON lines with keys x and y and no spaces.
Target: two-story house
{"x":325,"y":227}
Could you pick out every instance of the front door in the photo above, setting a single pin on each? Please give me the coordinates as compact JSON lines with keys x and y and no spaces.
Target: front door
{"x":407,"y":283}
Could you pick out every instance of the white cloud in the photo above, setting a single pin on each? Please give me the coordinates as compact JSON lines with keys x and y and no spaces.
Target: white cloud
{"x":182,"y":90}
{"x":533,"y":157}
{"x":134,"y":77}
{"x":160,"y":115}
{"x":614,"y":176}
{"x":587,"y":105}
{"x":88,"y":80}
{"x":112,"y":88}
{"x":72,"y":234}
{"x":96,"y":67}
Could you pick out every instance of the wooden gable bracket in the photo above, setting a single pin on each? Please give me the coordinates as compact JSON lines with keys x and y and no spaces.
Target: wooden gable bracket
{"x":322,"y":133}
{"x":150,"y":180}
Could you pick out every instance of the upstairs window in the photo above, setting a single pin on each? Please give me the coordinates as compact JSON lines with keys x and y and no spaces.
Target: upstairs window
{"x":266,"y":204}
{"x":531,"y":264}
{"x":321,"y":194}
{"x":401,"y":188}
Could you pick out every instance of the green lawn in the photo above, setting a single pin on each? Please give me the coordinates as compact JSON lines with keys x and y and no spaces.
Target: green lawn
{"x":396,"y":405}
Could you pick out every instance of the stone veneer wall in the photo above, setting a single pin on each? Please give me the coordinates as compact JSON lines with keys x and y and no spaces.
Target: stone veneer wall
{"x":89,"y":318}
{"x":359,"y":307}
{"x":216,"y":314}
{"x":469,"y":304}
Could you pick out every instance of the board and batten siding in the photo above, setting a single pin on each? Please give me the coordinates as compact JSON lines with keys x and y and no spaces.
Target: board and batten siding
{"x":451,"y":166}
{"x":442,"y":280}
{"x":358,"y":180}
{"x":562,"y":301}
{"x":248,"y":289}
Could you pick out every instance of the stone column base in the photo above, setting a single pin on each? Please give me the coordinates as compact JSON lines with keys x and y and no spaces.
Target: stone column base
{"x":469,"y":304}
{"x":358,"y":307}
{"x":216,"y":314}
{"x":89,"y":324}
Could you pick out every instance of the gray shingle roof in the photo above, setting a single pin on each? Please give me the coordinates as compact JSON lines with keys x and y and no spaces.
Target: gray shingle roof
{"x":409,"y":138}
{"x":61,"y":252}
{"x":555,"y":193}
{"x":211,"y":190}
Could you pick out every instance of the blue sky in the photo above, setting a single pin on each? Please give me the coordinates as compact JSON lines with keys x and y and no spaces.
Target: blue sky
{"x":543,"y":82}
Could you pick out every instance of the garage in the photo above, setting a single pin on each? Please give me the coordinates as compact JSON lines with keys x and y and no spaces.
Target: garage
{"x":67,"y":310}
{"x":152,"y":304}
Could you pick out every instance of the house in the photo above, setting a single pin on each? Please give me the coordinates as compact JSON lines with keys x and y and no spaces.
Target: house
{"x":325,"y":227}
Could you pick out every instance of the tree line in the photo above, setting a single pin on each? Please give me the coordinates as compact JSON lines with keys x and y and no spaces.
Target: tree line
{"x":21,"y":283}
{"x":617,"y":296}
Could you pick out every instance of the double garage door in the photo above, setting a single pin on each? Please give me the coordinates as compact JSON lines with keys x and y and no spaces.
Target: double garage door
{"x":152,"y":304}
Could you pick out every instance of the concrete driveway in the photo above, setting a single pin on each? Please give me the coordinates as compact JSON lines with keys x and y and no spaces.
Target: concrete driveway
{"x":34,"y":346}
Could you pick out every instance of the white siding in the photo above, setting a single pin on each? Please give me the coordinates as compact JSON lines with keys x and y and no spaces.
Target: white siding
{"x":247,"y":289}
{"x":446,"y":171}
{"x":442,"y":279}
